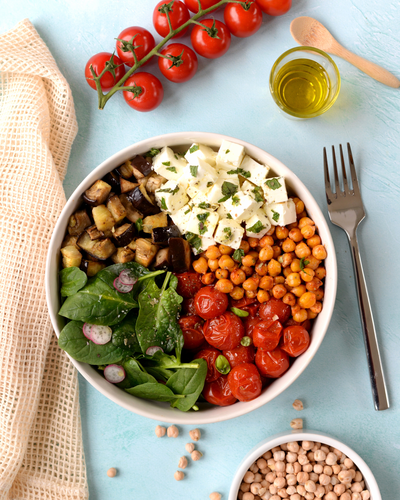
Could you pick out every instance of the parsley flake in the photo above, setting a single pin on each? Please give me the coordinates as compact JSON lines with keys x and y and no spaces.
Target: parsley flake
{"x":257,"y":228}
{"x":139,"y":225}
{"x":229,"y":216}
{"x":163,"y":204}
{"x":193,"y":170}
{"x":227,"y":151}
{"x":228,"y":232}
{"x":187,"y":211}
{"x":273,"y":183}
{"x":204,"y":205}
{"x":203,"y":217}
{"x":194,"y":148}
{"x":172,"y":169}
{"x":240,"y":171}
{"x":209,"y":184}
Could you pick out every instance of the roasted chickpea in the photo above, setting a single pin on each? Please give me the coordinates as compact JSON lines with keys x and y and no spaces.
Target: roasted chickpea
{"x":261,"y":268}
{"x":305,"y":221}
{"x":270,"y":231}
{"x":248,"y":271}
{"x":299,"y":205}
{"x":307,"y":274}
{"x":277,"y":251}
{"x":313,"y":285}
{"x":307,"y":300}
{"x":319,"y":252}
{"x":226,"y":262}
{"x":279,"y":291}
{"x":249,"y":260}
{"x":213,"y":252}
{"x":266,"y":283}
{"x":266,"y":240}
{"x":279,"y":280}
{"x":314,"y":241}
{"x":251,"y":294}
{"x":266,"y":253}
{"x":244,"y":245}
{"x":299,"y":314}
{"x":224,"y":285}
{"x":262,"y":296}
{"x":286,"y":271}
{"x":251,"y":284}
{"x":312,"y":262}
{"x":281,"y":232}
{"x":308,"y":231}
{"x":299,"y":290}
{"x":295,"y":266}
{"x":320,"y":273}
{"x":302,"y":250}
{"x":317,"y":307}
{"x":319,"y":293}
{"x":221,"y":274}
{"x":288,"y":245}
{"x":286,"y":259}
{"x":274,"y":268}
{"x":293,"y":279}
{"x":213,"y":264}
{"x":292,"y":225}
{"x":208,"y":278}
{"x":225,"y":250}
{"x":289,"y":299}
{"x":237,"y":293}
{"x":295,"y":235}
{"x":301,"y":215}
{"x":311,"y":314}
{"x":200,"y":265}
{"x":253,"y":242}
{"x":238,"y":276}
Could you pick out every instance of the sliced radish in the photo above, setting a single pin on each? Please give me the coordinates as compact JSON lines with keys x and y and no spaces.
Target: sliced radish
{"x":126,"y":278}
{"x":114,"y":374}
{"x":100,"y":334}
{"x":150,"y":351}
{"x":120,"y":287}
{"x":87,"y":327}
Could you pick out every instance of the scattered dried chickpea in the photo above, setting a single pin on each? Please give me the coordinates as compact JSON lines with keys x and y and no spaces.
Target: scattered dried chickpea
{"x":196,"y":455}
{"x":195,"y":434}
{"x":160,"y":431}
{"x":296,"y":423}
{"x":215,"y":496}
{"x":189,"y":447}
{"x":182,"y":464}
{"x":172,"y":431}
{"x":298,"y":405}
{"x":179,"y":475}
{"x":112,"y":472}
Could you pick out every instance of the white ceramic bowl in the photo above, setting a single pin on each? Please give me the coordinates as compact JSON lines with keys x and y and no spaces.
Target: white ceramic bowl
{"x":304,"y":435}
{"x":208,"y":413}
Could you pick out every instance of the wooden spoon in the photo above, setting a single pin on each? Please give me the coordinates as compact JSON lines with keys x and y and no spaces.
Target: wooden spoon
{"x":310,"y":32}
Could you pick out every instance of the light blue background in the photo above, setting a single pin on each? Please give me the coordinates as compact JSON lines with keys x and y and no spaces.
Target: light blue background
{"x":231,"y":96}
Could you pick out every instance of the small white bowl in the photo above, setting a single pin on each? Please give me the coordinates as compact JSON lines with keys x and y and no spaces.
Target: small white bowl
{"x":208,"y":413}
{"x":303,"y":435}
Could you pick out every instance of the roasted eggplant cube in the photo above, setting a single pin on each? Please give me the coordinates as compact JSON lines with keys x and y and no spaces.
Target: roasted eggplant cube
{"x":161,"y":235}
{"x":94,"y":233}
{"x":145,"y":251}
{"x":113,"y":179}
{"x":78,"y":222}
{"x":99,"y":249}
{"x":142,"y":165}
{"x":103,"y":218}
{"x":97,"y":194}
{"x":69,"y":240}
{"x":131,"y":213}
{"x":123,"y":255}
{"x":116,"y":208}
{"x":163,"y":259}
{"x":72,"y":257}
{"x":180,"y":254}
{"x":141,"y":201}
{"x":127,"y":185}
{"x":125,"y":234}
{"x":126,"y":170}
{"x":153,"y":221}
{"x":91,"y":268}
{"x":154,"y":182}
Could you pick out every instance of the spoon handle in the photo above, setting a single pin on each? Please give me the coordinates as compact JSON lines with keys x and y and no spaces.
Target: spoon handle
{"x":368,"y":67}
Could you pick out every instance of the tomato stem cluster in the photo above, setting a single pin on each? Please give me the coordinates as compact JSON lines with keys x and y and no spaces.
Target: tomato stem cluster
{"x":103,"y":98}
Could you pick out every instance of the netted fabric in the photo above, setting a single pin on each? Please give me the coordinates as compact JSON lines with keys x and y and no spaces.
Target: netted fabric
{"x":41,"y":452}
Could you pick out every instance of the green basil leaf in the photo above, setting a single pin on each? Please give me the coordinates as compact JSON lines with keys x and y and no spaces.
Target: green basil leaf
{"x":153,"y":152}
{"x":256,"y":228}
{"x":238,"y":255}
{"x":72,"y":280}
{"x":189,"y":382}
{"x":275,"y":217}
{"x":273,"y":183}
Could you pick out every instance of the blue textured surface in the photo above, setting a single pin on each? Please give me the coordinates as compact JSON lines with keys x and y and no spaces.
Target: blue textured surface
{"x":231,"y":96}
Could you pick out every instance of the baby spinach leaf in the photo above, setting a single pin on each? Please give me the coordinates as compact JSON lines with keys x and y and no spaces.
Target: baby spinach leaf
{"x":80,"y":348}
{"x":136,"y":375}
{"x":189,"y":382}
{"x":72,"y":280}
{"x":159,"y":373}
{"x":158,"y":392}
{"x":124,"y":334}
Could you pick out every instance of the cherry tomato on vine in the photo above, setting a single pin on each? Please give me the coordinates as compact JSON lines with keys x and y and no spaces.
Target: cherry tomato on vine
{"x":210,"y":354}
{"x":205,"y":41}
{"x":274,"y":307}
{"x":205,"y":4}
{"x":192,"y":329}
{"x":239,"y":355}
{"x":131,"y":37}
{"x":183,"y":65}
{"x":98,"y":62}
{"x":178,"y":14}
{"x":224,"y":331}
{"x":210,"y":302}
{"x":243,"y":21}
{"x":150,"y":92}
{"x":245,"y":382}
{"x":267,"y":334}
{"x":295,"y":340}
{"x":218,"y":392}
{"x":274,"y":7}
{"x":272,"y":364}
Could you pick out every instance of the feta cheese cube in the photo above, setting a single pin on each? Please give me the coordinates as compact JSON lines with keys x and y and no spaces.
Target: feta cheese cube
{"x":200,"y":151}
{"x":171,"y":197}
{"x":223,"y":212}
{"x":281,"y":214}
{"x":181,"y":218}
{"x":230,"y":154}
{"x":252,"y":170}
{"x":258,"y":225}
{"x":202,"y":222}
{"x":216,"y":193}
{"x":229,"y":175}
{"x":275,"y":190}
{"x":255,"y":191}
{"x":200,"y":177}
{"x":199,"y":244}
{"x":241,"y":206}
{"x":168,"y":164}
{"x":229,"y":233}
{"x":201,"y":200}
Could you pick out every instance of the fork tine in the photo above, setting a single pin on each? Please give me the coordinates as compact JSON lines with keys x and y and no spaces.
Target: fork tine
{"x":345,"y":183}
{"x":328,"y":190}
{"x":354,"y":179}
{"x":335,"y":171}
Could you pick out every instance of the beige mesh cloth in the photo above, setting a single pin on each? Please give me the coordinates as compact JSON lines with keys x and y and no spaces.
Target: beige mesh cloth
{"x":41,"y":452}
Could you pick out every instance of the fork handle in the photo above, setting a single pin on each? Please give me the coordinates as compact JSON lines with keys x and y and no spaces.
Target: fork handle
{"x":379,"y":391}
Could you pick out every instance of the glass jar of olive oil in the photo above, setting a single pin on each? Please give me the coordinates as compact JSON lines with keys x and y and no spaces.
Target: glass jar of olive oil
{"x":304,"y":82}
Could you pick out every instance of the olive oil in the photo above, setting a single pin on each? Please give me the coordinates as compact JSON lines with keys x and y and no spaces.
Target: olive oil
{"x":302,"y":86}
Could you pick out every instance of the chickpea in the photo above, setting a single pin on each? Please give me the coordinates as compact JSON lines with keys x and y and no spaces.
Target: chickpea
{"x":320,"y":273}
{"x":208,"y":278}
{"x":266,"y":241}
{"x":293,"y":279}
{"x":296,"y":423}
{"x":213,"y":252}
{"x":249,"y":260}
{"x":266,"y":253}
{"x":196,"y":455}
{"x":251,"y":284}
{"x":319,"y":294}
{"x":279,"y":291}
{"x":245,"y":487}
{"x":225,"y":250}
{"x":305,"y":221}
{"x":244,"y":245}
{"x":308,"y":231}
{"x":331,"y":496}
{"x":316,"y":308}
{"x":299,"y":315}
{"x":213,"y":264}
{"x":261,"y":268}
{"x":226,"y":262}
{"x":295,"y":235}
{"x":319,"y":252}
{"x":266,"y":283}
{"x":248,"y":496}
{"x":313,"y":285}
{"x":299,"y":205}
{"x":280,"y":482}
{"x":182,"y":464}
{"x":200,"y":265}
{"x":172,"y":431}
{"x":314,"y":241}
{"x":224,"y":285}
{"x":302,"y":250}
{"x":307,"y":274}
{"x":288,"y":245}
{"x":299,"y":290}
{"x":295,"y":266}
{"x":271,"y":231}
{"x":277,"y":251}
{"x":255,"y":488}
{"x":281,"y":232}
{"x":248,"y":477}
{"x":286,"y":271}
{"x":261,"y":463}
{"x":274,"y":268}
{"x":289,"y":299}
{"x":189,"y":447}
{"x":251,"y":294}
{"x":286,"y":259}
{"x":279,"y":280}
{"x":237,"y":293}
{"x":345,"y":476}
{"x":248,"y":271}
{"x":298,"y":405}
{"x":179,"y":475}
{"x":221,"y":274}
{"x":112,"y":472}
{"x":253,"y":242}
{"x":195,"y":434}
{"x":313,"y":263}
{"x":160,"y":431}
{"x":262,"y":296}
{"x":238,"y":276}
{"x":215,"y":496}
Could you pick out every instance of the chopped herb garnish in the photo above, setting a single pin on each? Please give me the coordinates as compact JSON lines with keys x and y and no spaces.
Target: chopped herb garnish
{"x":209,"y":184}
{"x":228,"y":189}
{"x":163,"y":204}
{"x":194,"y":240}
{"x":238,"y":255}
{"x":229,"y":216}
{"x":303,"y":263}
{"x":273,"y":183}
{"x":172,"y":169}
{"x":168,"y":190}
{"x":235,"y":200}
{"x":194,"y":148}
{"x":176,"y":157}
{"x":258,"y":194}
{"x":240,"y":171}
{"x":257,"y":228}
{"x":193,"y":170}
{"x":153,"y":152}
{"x":202,"y":228}
{"x":187,"y":211}
{"x":166,"y":163}
{"x":227,"y":151}
{"x":204,"y":205}
{"x":228,"y":232}
{"x":139,"y":225}
{"x":203,"y":217}
{"x":275,"y":217}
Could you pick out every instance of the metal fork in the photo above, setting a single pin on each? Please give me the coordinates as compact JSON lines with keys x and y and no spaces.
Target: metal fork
{"x":346,"y":211}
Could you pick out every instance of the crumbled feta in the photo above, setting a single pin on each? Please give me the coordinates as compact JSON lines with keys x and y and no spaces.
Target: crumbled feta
{"x":258,"y":225}
{"x":200,"y":176}
{"x":230,"y":154}
{"x":200,"y":151}
{"x":241,"y":206}
{"x":230,"y":233}
{"x":275,"y":190}
{"x":255,"y":191}
{"x":281,"y":214}
{"x":252,"y":170}
{"x":201,"y":200}
{"x":181,"y":218}
{"x":202,"y":222}
{"x":171,"y":197}
{"x":216,"y":193}
{"x":168,"y":164}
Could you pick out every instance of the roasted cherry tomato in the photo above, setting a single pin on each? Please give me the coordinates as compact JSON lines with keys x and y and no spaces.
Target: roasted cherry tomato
{"x":274,"y":7}
{"x":295,"y":340}
{"x":267,"y":334}
{"x":242,"y":303}
{"x":192,"y":329}
{"x":183,"y":65}
{"x":306,"y":324}
{"x":218,"y":392}
{"x":138,"y":37}
{"x":245,"y":382}
{"x":178,"y":14}
{"x":210,"y":302}
{"x":99,"y":61}
{"x":274,"y":307}
{"x":151,"y":94}
{"x":272,"y":364}
{"x":210,"y":354}
{"x":239,"y":355}
{"x":189,"y":284}
{"x":249,"y":325}
{"x":213,"y":41}
{"x":193,"y":5}
{"x":224,"y":331}
{"x":243,"y":21}
{"x":188,"y":307}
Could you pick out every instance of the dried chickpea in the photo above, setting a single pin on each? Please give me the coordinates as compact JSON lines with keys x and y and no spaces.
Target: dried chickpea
{"x":286,"y":259}
{"x":305,"y":221}
{"x":249,"y":260}
{"x":213,"y":264}
{"x":237,"y":293}
{"x":266,"y":283}
{"x":179,"y":475}
{"x":215,"y":496}
{"x":313,"y":285}
{"x":307,"y":231}
{"x":160,"y":431}
{"x":279,"y":291}
{"x":307,"y":274}
{"x":251,"y":284}
{"x":213,"y":252}
{"x":112,"y":472}
{"x":319,"y":252}
{"x":274,"y":268}
{"x":224,"y":285}
{"x":226,"y":262}
{"x":189,"y":447}
{"x":208,"y":278}
{"x":302,"y":250}
{"x":200,"y":265}
{"x":195,"y":434}
{"x":238,"y":276}
{"x":182,"y":464}
{"x":298,"y":405}
{"x":281,"y":232}
{"x":299,"y":290}
{"x":196,"y":455}
{"x":244,"y":245}
{"x":248,"y":270}
{"x":320,"y":273}
{"x":221,"y":274}
{"x":253,"y":242}
{"x":172,"y":431}
{"x":296,"y":423}
{"x":293,"y":279}
{"x":261,"y":268}
{"x":266,"y":253}
{"x":314,"y":241}
{"x":277,"y":251}
{"x":289,"y":299}
{"x":295,"y":235}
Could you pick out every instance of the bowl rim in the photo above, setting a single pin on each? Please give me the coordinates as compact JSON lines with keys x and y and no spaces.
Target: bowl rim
{"x":303,"y":435}
{"x":159,"y":411}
